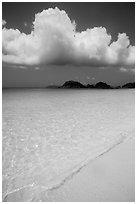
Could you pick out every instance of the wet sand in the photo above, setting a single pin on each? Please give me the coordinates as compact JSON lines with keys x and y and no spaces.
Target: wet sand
{"x":109,"y":178}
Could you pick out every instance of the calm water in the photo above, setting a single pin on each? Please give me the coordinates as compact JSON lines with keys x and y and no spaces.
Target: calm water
{"x":50,"y":134}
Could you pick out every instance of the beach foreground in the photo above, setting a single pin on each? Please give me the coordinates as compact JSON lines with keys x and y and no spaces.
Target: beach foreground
{"x":49,"y":137}
{"x":108,"y":178}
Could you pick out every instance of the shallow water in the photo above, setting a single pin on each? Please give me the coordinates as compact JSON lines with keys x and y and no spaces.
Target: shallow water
{"x":50,"y":134}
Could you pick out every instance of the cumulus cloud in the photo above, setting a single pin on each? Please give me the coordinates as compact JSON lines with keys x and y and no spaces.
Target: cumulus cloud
{"x":55,"y":41}
{"x":3,"y":22}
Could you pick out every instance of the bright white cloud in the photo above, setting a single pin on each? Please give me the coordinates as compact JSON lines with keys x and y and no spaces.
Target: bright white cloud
{"x":54,"y":40}
{"x":3,"y":22}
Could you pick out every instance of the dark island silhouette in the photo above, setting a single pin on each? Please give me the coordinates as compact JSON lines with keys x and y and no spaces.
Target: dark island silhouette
{"x":100,"y":85}
{"x":72,"y":84}
{"x":129,"y":85}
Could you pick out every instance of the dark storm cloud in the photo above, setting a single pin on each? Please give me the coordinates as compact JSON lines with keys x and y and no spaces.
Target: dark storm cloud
{"x":55,"y":41}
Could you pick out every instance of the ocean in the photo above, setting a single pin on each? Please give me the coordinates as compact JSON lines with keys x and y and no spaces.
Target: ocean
{"x":50,"y":134}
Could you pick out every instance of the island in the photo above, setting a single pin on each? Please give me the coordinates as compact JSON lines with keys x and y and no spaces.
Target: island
{"x":129,"y":85}
{"x":100,"y":85}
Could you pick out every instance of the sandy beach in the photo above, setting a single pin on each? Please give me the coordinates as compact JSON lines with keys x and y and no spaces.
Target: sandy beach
{"x":51,"y":149}
{"x":68,"y":101}
{"x":108,"y":178}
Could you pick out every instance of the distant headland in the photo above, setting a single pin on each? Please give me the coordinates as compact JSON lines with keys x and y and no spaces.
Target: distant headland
{"x":100,"y":85}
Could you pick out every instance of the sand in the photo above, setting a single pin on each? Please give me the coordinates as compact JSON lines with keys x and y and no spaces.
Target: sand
{"x":108,"y":178}
{"x":47,"y":136}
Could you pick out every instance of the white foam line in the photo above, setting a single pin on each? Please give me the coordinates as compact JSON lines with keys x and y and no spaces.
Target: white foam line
{"x":78,"y":169}
{"x":75,"y":170}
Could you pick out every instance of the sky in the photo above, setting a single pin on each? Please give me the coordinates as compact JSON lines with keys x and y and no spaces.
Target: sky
{"x":49,"y":43}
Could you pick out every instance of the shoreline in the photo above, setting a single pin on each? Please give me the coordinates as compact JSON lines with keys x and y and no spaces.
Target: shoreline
{"x":109,"y":178}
